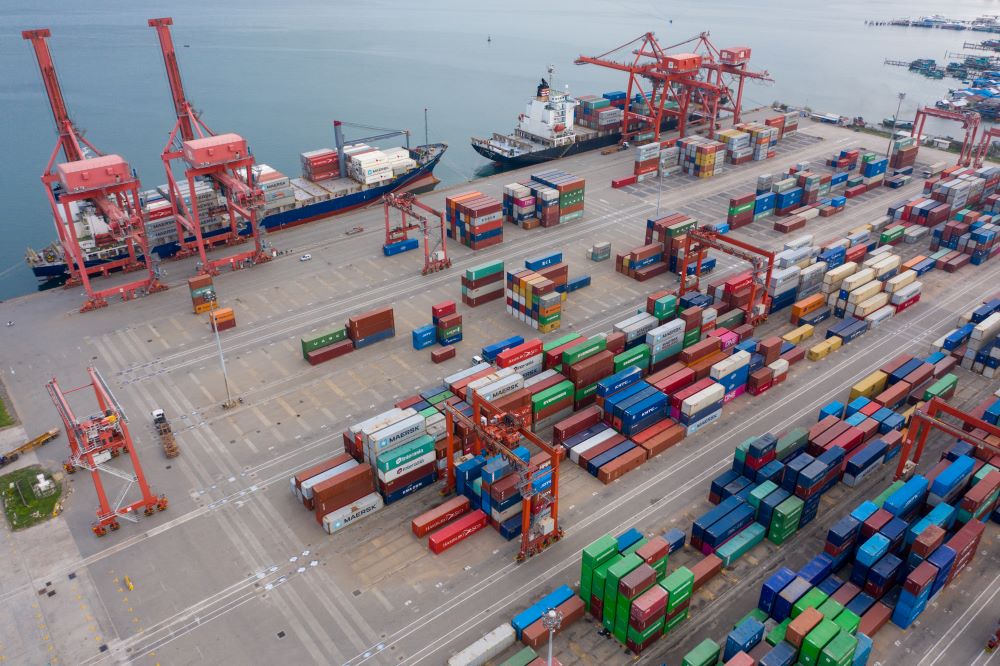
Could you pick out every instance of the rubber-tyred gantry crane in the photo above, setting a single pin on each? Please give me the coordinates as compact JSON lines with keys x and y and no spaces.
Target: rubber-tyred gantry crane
{"x":225,"y":159}
{"x":499,"y":433}
{"x":90,"y":177}
{"x":659,"y":76}
{"x":436,"y":258}
{"x":989,"y":133}
{"x":697,"y":243}
{"x":96,"y":439}
{"x":929,"y":418}
{"x":970,"y":121}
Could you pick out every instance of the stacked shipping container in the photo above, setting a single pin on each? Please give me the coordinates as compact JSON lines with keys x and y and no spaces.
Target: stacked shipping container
{"x":474,"y":219}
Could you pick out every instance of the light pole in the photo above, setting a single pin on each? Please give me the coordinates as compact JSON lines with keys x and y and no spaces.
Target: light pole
{"x":551,"y":621}
{"x":900,"y":96}
{"x":222,"y":362}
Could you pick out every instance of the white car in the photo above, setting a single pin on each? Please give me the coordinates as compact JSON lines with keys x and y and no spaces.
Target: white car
{"x":305,"y":257}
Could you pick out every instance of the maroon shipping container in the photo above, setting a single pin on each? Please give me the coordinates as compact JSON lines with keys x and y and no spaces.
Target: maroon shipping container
{"x":576,"y":423}
{"x":449,"y":321}
{"x":665,"y":372}
{"x":700,"y":350}
{"x":504,"y":488}
{"x":705,"y":569}
{"x":603,"y":447}
{"x":929,"y":540}
{"x":874,"y":619}
{"x":438,"y":516}
{"x":874,"y":523}
{"x":483,"y":281}
{"x":536,"y":635}
{"x":590,"y":370}
{"x":329,"y":352}
{"x":443,"y":354}
{"x":637,"y":581}
{"x":662,"y":441}
{"x":457,"y":531}
{"x":320,"y":468}
{"x":648,"y":606}
{"x":341,"y":490}
{"x":408,"y":402}
{"x":369,"y":323}
{"x":615,"y":342}
{"x":621,"y":465}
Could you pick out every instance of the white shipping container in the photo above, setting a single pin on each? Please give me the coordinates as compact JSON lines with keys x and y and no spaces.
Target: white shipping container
{"x":529,"y":366}
{"x":801,"y":241}
{"x":703,"y":399}
{"x":905,"y":278}
{"x":468,"y":372}
{"x":865,"y":292}
{"x":380,"y":420}
{"x":728,"y":366}
{"x":879,"y":316}
{"x":397,"y":434}
{"x":436,"y":425}
{"x":852,"y":282}
{"x":887,"y":265}
{"x":350,"y":514}
{"x":837,"y":275}
{"x":489,"y":379}
{"x":779,"y":367}
{"x":540,"y":377}
{"x":870,"y":305}
{"x":499,"y":389}
{"x":988,"y":328}
{"x":909,"y":291}
{"x":489,"y":646}
{"x":603,"y":436}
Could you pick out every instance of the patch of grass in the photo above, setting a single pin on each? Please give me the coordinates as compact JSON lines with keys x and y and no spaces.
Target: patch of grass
{"x":20,"y":505}
{"x":5,"y":418}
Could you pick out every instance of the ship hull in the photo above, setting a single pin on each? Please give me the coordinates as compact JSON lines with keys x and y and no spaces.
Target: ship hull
{"x":419,"y":178}
{"x":548,"y":154}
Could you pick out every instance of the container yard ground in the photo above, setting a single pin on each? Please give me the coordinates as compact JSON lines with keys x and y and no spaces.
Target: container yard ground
{"x":236,"y":571}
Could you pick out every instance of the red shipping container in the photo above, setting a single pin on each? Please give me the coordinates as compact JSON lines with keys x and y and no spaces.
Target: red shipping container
{"x":574,"y":424}
{"x":443,"y":354}
{"x":522,"y":352}
{"x":443,"y":309}
{"x":438,"y":516}
{"x":457,"y":531}
{"x":317,"y":356}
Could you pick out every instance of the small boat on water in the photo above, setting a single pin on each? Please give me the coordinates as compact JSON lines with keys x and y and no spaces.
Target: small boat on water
{"x":897,"y":124}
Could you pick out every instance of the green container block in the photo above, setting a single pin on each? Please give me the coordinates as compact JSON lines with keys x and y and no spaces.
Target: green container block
{"x":758,"y":494}
{"x":522,"y":658}
{"x":672,"y":623}
{"x":597,"y":553}
{"x":616,"y":572}
{"x":585,"y":392}
{"x":440,"y":397}
{"x":584,"y":350}
{"x":483,"y":270}
{"x":830,"y":608}
{"x":545,"y":321}
{"x":779,"y":537}
{"x":660,"y":568}
{"x":640,"y":637}
{"x":600,"y":576}
{"x":848,"y":621}
{"x":552,"y":395}
{"x":731,"y":319}
{"x":839,"y":651}
{"x":666,"y":353}
{"x":755,"y":614}
{"x":638,"y":356}
{"x":560,"y":341}
{"x":665,"y":307}
{"x":792,"y":441}
{"x":692,"y":337}
{"x":740,"y":544}
{"x":706,"y":653}
{"x":743,"y":448}
{"x":679,"y":586}
{"x":777,"y":634}
{"x":428,"y":411}
{"x":681,"y":228}
{"x":814,"y":598}
{"x":390,"y":460}
{"x":325,"y":339}
{"x":880,"y":500}
{"x":636,"y":546}
{"x":816,"y":640}
{"x":941,"y":386}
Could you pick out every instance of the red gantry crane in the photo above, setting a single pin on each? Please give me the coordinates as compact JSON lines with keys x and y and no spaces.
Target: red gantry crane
{"x":436,"y":258}
{"x":89,"y":178}
{"x":499,"y":433}
{"x":659,"y":77}
{"x":979,"y":433}
{"x":224,"y":160}
{"x":970,"y":121}
{"x":93,"y":441}
{"x":989,"y":133}
{"x":697,"y":243}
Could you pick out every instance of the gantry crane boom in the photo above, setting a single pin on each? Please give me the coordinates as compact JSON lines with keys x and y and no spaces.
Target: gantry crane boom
{"x":231,"y":172}
{"x":106,"y":182}
{"x":970,"y":121}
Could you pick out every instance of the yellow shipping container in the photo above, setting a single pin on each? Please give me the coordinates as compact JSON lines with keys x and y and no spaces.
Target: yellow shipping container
{"x":835,"y":342}
{"x":795,"y":336}
{"x":870,"y":386}
{"x":818,"y":352}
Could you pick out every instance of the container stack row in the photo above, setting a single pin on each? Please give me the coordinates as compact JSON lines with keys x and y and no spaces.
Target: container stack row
{"x":445,"y":327}
{"x":700,"y":157}
{"x":361,"y":330}
{"x":474,"y":219}
{"x":977,"y":339}
{"x":547,"y":199}
{"x":482,"y":284}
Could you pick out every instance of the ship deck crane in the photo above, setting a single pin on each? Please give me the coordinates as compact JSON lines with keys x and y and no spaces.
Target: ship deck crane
{"x":225,"y":159}
{"x":927,"y":418}
{"x":436,"y":258}
{"x":970,"y":121}
{"x":699,"y":241}
{"x":338,"y":135}
{"x":105,"y":181}
{"x":93,"y":441}
{"x":498,"y":433}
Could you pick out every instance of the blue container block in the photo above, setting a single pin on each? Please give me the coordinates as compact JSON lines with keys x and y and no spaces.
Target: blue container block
{"x":766,"y":509}
{"x":843,"y":531}
{"x":374,"y":337}
{"x":863,"y":651}
{"x":782,"y":654}
{"x":907,"y":499}
{"x":793,"y":468}
{"x":872,"y":550}
{"x":953,"y":478}
{"x":732,"y":523}
{"x":410,"y":489}
{"x":400,"y":247}
{"x":628,"y":538}
{"x":596,"y":463}
{"x":864,"y":511}
{"x":714,"y":515}
{"x":744,"y":637}
{"x":834,"y":408}
{"x":537,"y":263}
{"x":772,"y":471}
{"x":943,"y":558}
{"x":763,"y":445}
{"x":817,"y":569}
{"x":723,"y":480}
{"x":490,"y":352}
{"x":772,"y":587}
{"x":857,"y":405}
{"x":895,"y":532}
{"x":892,"y":422}
{"x":830,"y":584}
{"x":856,"y":419}
{"x":886,"y":571}
{"x":814,"y":318}
{"x":675,"y":539}
{"x":789,"y":595}
{"x":861,"y":603}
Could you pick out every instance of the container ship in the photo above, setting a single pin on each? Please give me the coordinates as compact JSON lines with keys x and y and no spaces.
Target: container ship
{"x":556,"y":125}
{"x":328,"y":186}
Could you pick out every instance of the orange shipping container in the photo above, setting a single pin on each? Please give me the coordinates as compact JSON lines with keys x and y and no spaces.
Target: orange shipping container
{"x":806,"y":305}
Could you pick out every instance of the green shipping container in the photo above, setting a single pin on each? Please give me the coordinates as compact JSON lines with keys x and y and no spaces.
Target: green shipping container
{"x":597,"y":553}
{"x":777,"y":634}
{"x":758,"y":494}
{"x":730,"y":319}
{"x":892,"y":233}
{"x":941,"y":386}
{"x":740,"y":544}
{"x":665,"y":307}
{"x":706,"y":653}
{"x":679,"y":586}
{"x":449,"y":332}
{"x":666,"y":353}
{"x":880,"y":500}
{"x":542,"y":321}
{"x":839,"y":651}
{"x":672,"y":623}
{"x":585,"y":392}
{"x":640,"y":637}
{"x":616,"y":572}
{"x":981,"y":474}
{"x":560,"y":341}
{"x":428,"y":411}
{"x":601,"y":575}
{"x":816,"y":640}
{"x":692,"y":337}
{"x":325,"y":339}
{"x":552,"y":395}
{"x":392,"y":459}
{"x":522,"y":658}
{"x":440,"y":397}
{"x":848,"y":621}
{"x":483,"y":270}
{"x":681,"y":228}
{"x":814,"y":598}
{"x":584,"y":350}
{"x":638,"y":357}
{"x":830,"y":608}
{"x":792,"y":441}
